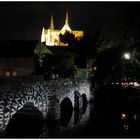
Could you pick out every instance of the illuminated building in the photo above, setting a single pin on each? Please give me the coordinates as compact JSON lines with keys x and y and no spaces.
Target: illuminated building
{"x":51,"y":36}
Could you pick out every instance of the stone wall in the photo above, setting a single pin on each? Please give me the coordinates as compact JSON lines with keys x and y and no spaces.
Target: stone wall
{"x":45,"y":95}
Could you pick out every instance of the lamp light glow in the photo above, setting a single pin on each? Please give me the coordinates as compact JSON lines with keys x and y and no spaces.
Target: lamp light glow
{"x":127,"y":56}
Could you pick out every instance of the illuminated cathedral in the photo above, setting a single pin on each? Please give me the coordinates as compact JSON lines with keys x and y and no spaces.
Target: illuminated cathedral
{"x":51,"y":36}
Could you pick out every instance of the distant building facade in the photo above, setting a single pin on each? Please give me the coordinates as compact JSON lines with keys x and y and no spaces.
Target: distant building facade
{"x":16,"y":58}
{"x":22,"y":58}
{"x":51,"y":36}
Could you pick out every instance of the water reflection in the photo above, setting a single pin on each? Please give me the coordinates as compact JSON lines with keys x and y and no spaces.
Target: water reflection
{"x":123,"y":116}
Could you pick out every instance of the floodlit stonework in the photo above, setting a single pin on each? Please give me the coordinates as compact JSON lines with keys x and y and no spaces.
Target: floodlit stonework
{"x":51,"y":36}
{"x":46,"y":96}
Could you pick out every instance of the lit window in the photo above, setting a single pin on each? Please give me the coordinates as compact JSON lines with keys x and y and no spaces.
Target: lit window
{"x":7,"y":73}
{"x":14,"y":73}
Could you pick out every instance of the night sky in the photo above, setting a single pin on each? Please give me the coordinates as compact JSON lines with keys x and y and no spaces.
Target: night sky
{"x":24,"y":20}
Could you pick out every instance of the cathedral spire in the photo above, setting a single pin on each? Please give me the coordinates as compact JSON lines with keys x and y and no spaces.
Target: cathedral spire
{"x":67,"y":18}
{"x":51,"y":23}
{"x":66,"y":26}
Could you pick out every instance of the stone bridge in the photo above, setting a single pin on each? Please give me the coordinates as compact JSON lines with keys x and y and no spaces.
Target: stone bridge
{"x":47,"y":96}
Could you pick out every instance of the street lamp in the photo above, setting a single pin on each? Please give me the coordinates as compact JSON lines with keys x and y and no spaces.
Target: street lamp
{"x":127,"y":55}
{"x":127,"y":68}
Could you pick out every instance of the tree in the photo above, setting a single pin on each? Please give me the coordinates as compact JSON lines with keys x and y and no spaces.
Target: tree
{"x":69,"y":38}
{"x":119,"y":32}
{"x":41,"y":55}
{"x":113,"y":67}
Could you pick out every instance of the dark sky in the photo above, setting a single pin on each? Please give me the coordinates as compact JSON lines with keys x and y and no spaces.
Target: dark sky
{"x":19,"y":20}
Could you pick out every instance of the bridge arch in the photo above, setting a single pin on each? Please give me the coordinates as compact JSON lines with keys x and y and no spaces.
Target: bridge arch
{"x":85,"y":101}
{"x":13,"y":100}
{"x":66,"y":110}
{"x":27,"y":122}
{"x":24,"y":96}
{"x":83,"y":86}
